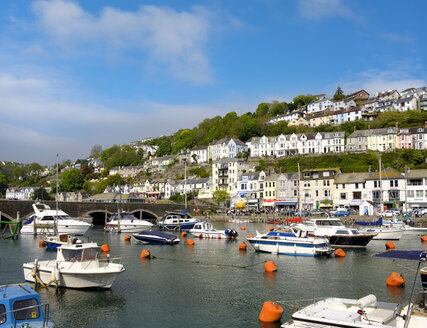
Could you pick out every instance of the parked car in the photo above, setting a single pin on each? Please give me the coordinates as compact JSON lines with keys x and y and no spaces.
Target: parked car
{"x":317,"y":212}
{"x":340,"y":212}
{"x":392,"y":212}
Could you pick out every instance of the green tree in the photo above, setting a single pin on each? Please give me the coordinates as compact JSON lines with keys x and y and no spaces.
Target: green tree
{"x":339,"y":94}
{"x":176,"y":198}
{"x":262,"y":110}
{"x":165,"y":147}
{"x":19,"y":172}
{"x":303,"y":100}
{"x":40,"y":194}
{"x":35,"y":168}
{"x":277,"y":108}
{"x":96,"y":151}
{"x":220,"y":196}
{"x":3,"y":184}
{"x":71,"y":181}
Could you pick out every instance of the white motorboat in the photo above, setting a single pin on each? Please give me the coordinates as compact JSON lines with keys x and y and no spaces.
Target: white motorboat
{"x":126,"y":222}
{"x":290,"y":242}
{"x":76,"y":266}
{"x":205,"y":229}
{"x":336,"y":232}
{"x":45,"y":221}
{"x":239,"y":220}
{"x":384,"y":232}
{"x":177,"y":221}
{"x":367,"y":312}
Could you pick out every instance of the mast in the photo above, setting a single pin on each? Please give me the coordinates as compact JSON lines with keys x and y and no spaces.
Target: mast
{"x":381,"y":191}
{"x":55,"y":221}
{"x":299,"y":193}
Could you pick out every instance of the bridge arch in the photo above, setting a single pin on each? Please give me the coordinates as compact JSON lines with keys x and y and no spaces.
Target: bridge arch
{"x":98,"y":216}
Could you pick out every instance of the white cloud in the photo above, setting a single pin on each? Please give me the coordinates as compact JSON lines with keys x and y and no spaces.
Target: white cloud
{"x":39,"y":120}
{"x":167,"y":37}
{"x":397,"y":77}
{"x":320,"y":9}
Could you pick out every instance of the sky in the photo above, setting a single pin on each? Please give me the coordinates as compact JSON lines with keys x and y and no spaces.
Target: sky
{"x":74,"y":74}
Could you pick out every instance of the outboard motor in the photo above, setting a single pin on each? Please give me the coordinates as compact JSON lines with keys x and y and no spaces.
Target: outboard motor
{"x":231,"y":233}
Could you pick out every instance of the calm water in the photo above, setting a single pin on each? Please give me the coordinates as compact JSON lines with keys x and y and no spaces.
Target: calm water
{"x":211,"y":284}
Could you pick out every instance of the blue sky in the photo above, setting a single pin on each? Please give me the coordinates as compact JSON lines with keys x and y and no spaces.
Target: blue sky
{"x":78,"y":73}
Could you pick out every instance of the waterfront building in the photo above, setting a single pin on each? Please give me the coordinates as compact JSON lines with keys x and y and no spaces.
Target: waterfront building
{"x":416,"y":189}
{"x":199,"y":154}
{"x":350,"y":192}
{"x":317,"y":186}
{"x":225,"y":173}
{"x":250,"y":190}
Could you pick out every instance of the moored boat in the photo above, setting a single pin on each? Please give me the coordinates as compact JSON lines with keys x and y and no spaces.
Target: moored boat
{"x":177,"y":221}
{"x":59,"y":240}
{"x":46,"y":221}
{"x":336,"y":232}
{"x":126,"y":222}
{"x":383,"y":232}
{"x":290,"y":242}
{"x":76,"y":266}
{"x":20,"y":306}
{"x":205,"y":229}
{"x":239,"y":220}
{"x":156,"y":237}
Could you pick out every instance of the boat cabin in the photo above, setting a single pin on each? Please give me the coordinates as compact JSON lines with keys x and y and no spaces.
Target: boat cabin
{"x":20,"y":304}
{"x":78,"y":252}
{"x":203,"y":226}
{"x":123,"y":216}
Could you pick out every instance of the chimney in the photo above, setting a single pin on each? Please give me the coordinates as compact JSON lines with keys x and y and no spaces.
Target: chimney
{"x":407,"y":170}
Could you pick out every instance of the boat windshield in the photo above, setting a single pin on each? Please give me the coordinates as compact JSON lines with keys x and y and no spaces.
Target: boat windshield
{"x":2,"y":314}
{"x":26,"y":309}
{"x":64,"y":217}
{"x":79,"y":254}
{"x":123,"y":216}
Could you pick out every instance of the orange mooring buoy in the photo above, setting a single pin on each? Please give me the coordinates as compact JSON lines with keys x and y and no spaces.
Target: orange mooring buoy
{"x":242,"y":247}
{"x":200,"y":236}
{"x":271,"y":229}
{"x":105,"y":248}
{"x":270,"y":266}
{"x":423,"y":238}
{"x":190,"y":242}
{"x":145,"y":254}
{"x":270,"y":312}
{"x":127,"y":238}
{"x":339,"y":253}
{"x":395,"y":279}
{"x":389,"y":245}
{"x":41,"y":242}
{"x":243,"y":227}
{"x":183,"y":234}
{"x":250,"y":236}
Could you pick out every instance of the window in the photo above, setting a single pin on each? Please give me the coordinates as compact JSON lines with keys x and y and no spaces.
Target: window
{"x":343,"y":195}
{"x":394,"y":183}
{"x":411,"y":193}
{"x":317,"y":193}
{"x":356,"y":186}
{"x":419,"y":193}
{"x":29,"y":307}
{"x":357,"y":195}
{"x":376,"y":195}
{"x":2,"y":315}
{"x":394,"y":195}
{"x":326,"y":193}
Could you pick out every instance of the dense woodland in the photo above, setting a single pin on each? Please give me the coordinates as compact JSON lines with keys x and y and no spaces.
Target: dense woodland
{"x":244,"y":127}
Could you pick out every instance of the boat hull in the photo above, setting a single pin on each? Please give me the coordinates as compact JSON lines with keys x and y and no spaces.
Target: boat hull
{"x":350,"y":240}
{"x":389,"y":235}
{"x":126,"y":228}
{"x":74,"y":229}
{"x":94,"y":278}
{"x":182,"y":226}
{"x":155,"y":240}
{"x":423,"y":274}
{"x":289,"y":247}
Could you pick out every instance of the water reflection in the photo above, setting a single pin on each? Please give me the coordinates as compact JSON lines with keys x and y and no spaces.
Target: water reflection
{"x":396,"y":290}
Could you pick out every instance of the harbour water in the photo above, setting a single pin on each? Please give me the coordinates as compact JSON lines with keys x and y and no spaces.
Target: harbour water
{"x":210,"y":284}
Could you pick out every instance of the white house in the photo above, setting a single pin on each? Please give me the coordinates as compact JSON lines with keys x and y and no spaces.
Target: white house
{"x":250,"y":189}
{"x":199,"y":154}
{"x":17,"y":193}
{"x":225,"y":174}
{"x":387,"y":95}
{"x":295,"y":115}
{"x":319,"y":106}
{"x":225,"y":148}
{"x":416,"y":189}
{"x":405,"y":104}
{"x":344,"y":104}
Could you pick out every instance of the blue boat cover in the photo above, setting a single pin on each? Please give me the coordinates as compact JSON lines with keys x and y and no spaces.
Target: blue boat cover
{"x":378,"y":223}
{"x":404,"y":255}
{"x":280,"y":234}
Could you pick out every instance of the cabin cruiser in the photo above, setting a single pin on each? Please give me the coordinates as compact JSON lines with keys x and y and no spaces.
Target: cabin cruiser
{"x":177,"y":221}
{"x":366,"y":312}
{"x":292,"y":241}
{"x":156,"y":237}
{"x":20,"y":306}
{"x":55,"y":241}
{"x":205,"y":229}
{"x":384,"y":232}
{"x":76,"y":266}
{"x":126,"y":222}
{"x":46,"y":221}
{"x":336,"y":232}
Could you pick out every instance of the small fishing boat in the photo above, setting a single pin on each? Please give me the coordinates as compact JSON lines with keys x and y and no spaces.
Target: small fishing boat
{"x":205,"y":229}
{"x":177,"y":221}
{"x":366,"y":312}
{"x":46,"y":221}
{"x":383,"y":232}
{"x":156,"y":237}
{"x":76,"y":266}
{"x":292,"y":241}
{"x":336,"y":232}
{"x":126,"y":222}
{"x":56,"y":241}
{"x":20,"y":306}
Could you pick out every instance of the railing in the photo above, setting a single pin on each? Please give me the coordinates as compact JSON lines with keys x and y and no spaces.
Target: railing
{"x":43,"y":309}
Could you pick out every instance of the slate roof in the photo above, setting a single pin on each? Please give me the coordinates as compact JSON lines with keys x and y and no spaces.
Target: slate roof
{"x":356,"y":177}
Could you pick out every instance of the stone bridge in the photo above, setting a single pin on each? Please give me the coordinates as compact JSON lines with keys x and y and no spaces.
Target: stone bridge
{"x":94,"y":211}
